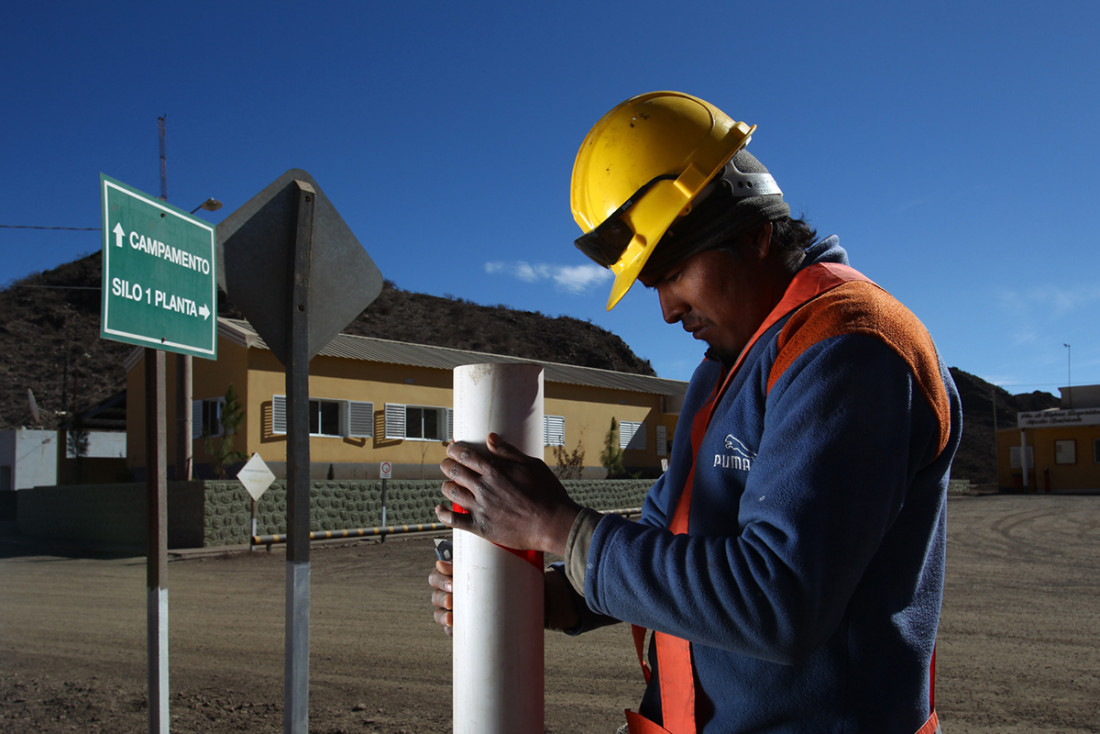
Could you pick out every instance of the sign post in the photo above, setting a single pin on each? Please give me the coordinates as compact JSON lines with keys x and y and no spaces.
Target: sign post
{"x":385,"y":471}
{"x":275,"y":249}
{"x":255,"y":477}
{"x":159,"y":292}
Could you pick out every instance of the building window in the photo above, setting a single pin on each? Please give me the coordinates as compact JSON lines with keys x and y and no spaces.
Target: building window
{"x":419,"y":422}
{"x":1096,"y":451}
{"x":324,"y":418}
{"x":662,"y":441}
{"x":1065,"y":451}
{"x":206,"y":417}
{"x":632,"y":435}
{"x":343,"y":418}
{"x":1014,"y":457}
{"x":422,"y":423}
{"x":553,"y":430}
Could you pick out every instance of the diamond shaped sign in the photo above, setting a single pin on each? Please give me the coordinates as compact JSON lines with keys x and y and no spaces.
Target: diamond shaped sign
{"x":256,"y":251}
{"x":256,"y":477}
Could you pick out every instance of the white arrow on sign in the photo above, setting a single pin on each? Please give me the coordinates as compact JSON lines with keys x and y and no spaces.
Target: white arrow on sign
{"x":119,"y":234}
{"x":204,"y":312}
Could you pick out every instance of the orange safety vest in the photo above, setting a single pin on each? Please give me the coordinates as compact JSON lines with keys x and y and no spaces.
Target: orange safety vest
{"x":674,"y":667}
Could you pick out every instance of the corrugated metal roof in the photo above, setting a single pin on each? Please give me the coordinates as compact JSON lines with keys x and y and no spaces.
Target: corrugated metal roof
{"x":387,"y":351}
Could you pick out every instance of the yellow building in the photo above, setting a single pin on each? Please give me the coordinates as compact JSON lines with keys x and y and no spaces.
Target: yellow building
{"x":1060,"y":447}
{"x":375,"y":400}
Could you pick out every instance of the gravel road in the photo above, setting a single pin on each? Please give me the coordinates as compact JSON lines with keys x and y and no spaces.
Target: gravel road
{"x":1017,"y":651}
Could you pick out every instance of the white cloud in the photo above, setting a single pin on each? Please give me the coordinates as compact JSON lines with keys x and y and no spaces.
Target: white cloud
{"x":1049,"y":300}
{"x":568,"y":278}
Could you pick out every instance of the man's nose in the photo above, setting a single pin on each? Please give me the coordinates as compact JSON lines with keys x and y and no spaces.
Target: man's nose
{"x":672,"y":307}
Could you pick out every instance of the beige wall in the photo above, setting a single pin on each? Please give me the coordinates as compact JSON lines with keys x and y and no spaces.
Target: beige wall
{"x":258,"y":376}
{"x":588,"y":412}
{"x":1047,"y":472}
{"x":210,"y":379}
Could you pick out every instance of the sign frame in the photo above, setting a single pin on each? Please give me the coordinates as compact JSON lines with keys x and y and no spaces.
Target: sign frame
{"x":175,"y":255}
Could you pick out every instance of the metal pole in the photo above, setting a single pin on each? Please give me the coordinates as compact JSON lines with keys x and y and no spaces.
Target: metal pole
{"x":184,"y":421}
{"x":1023,"y":455}
{"x":156,"y":558}
{"x":1069,"y":375}
{"x":296,"y":687}
{"x":183,"y":361}
{"x":255,"y":523}
{"x":384,"y":508}
{"x":498,"y":593}
{"x":161,"y":123}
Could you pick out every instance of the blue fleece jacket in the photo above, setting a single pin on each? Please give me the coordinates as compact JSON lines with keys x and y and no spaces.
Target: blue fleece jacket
{"x":811,"y":577}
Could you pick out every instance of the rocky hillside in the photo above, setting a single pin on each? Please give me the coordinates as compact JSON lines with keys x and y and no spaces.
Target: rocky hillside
{"x":977,"y":456}
{"x":49,"y":336}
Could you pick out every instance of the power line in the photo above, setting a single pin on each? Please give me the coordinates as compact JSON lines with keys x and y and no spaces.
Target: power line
{"x":64,"y":287}
{"x":32,"y":226}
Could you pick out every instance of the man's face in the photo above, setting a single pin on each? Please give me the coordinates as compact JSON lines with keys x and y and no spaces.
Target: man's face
{"x":719,"y":297}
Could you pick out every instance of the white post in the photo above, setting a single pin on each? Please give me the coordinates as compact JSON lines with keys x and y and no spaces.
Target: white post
{"x":1023,"y":455}
{"x":498,"y":594}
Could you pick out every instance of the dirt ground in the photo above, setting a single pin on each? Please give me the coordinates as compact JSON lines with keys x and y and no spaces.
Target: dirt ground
{"x":1017,"y":651}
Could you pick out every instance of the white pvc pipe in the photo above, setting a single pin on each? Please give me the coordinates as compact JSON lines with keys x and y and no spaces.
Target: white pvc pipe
{"x":1023,"y":455}
{"x":498,"y":594}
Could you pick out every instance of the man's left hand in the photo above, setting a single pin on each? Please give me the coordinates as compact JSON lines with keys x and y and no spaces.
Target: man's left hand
{"x":510,"y":498}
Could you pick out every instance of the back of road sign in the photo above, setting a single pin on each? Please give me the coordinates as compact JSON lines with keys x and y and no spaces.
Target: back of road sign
{"x":256,"y":246}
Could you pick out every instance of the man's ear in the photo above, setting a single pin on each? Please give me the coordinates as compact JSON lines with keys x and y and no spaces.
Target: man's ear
{"x":761,"y":240}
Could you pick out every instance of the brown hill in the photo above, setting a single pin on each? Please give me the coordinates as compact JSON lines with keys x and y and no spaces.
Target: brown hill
{"x":987,"y":408}
{"x":49,"y":336}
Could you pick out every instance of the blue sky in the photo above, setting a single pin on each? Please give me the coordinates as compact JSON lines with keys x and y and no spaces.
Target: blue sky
{"x":950,"y":145}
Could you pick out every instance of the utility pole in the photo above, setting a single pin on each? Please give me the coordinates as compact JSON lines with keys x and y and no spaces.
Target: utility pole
{"x":1069,"y":376}
{"x":184,"y":363}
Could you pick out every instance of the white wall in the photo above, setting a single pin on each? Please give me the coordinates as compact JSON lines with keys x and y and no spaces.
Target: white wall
{"x":102,"y":445}
{"x":28,"y":457}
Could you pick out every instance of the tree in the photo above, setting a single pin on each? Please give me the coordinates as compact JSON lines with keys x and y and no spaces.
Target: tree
{"x":78,"y":439}
{"x":570,"y":464}
{"x":612,"y":456}
{"x":222,"y":453}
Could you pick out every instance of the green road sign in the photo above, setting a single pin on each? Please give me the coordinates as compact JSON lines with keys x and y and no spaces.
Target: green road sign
{"x":159,"y":274}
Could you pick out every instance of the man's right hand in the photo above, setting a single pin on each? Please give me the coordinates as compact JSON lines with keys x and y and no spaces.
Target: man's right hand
{"x":560,"y":612}
{"x":442,"y":585}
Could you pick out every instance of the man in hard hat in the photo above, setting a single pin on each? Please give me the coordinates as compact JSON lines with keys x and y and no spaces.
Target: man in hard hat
{"x":790,"y":560}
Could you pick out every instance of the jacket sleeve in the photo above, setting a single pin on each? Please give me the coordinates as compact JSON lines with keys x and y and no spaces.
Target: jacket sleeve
{"x":846,"y":430}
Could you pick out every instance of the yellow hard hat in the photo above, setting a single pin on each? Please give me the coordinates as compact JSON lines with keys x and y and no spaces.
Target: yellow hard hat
{"x":639,"y":169}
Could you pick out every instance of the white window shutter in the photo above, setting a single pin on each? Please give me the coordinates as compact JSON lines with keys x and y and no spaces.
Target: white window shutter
{"x":632,"y":435}
{"x":360,"y":419}
{"x":395,"y":420}
{"x":553,"y":432}
{"x":278,"y":414}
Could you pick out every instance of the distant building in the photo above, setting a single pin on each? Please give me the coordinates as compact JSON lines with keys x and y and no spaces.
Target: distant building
{"x":32,"y":457}
{"x":374,"y":400}
{"x":28,"y":458}
{"x":1054,"y":450}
